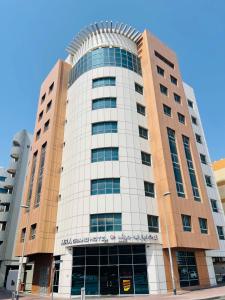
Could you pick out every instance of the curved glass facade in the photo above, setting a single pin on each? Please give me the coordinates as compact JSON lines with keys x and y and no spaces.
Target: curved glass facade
{"x":103,"y":57}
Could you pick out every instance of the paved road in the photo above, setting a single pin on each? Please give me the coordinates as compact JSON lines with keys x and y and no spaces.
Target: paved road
{"x":217,"y":293}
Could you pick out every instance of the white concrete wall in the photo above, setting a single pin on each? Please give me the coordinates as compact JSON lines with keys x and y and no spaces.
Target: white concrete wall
{"x":218,"y":217}
{"x":76,"y":203}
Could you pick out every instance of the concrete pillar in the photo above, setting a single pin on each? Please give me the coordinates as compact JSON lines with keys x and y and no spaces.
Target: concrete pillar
{"x":65,"y":273}
{"x":211,"y":271}
{"x":155,"y":269}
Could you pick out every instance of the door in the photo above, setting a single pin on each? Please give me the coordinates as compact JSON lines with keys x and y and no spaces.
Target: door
{"x":109,"y":280}
{"x":43,"y":280}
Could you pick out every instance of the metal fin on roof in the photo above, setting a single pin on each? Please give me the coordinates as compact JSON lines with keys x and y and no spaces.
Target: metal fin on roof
{"x":99,"y":27}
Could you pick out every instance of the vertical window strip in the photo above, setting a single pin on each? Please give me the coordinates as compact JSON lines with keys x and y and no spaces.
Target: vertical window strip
{"x":194,"y":184}
{"x":176,"y":164}
{"x":30,"y":189}
{"x":40,"y":175}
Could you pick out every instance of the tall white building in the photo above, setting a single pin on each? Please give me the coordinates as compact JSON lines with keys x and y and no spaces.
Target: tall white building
{"x":119,"y":159}
{"x":11,"y":195}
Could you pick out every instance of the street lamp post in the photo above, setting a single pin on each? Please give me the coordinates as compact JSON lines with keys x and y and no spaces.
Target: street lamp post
{"x":22,"y":256}
{"x":169,"y":248}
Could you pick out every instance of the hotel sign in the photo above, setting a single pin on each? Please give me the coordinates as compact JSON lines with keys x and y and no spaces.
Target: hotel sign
{"x":123,"y":238}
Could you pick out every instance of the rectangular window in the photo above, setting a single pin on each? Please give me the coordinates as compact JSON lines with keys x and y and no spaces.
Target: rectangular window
{"x":104,"y":154}
{"x":33,"y":231}
{"x":2,"y":226}
{"x":105,"y":222}
{"x":46,"y":126}
{"x":198,"y":138}
{"x":203,"y":159}
{"x":149,"y":189}
{"x":140,"y":109}
{"x":190,"y":103}
{"x":3,"y":191}
{"x":105,"y":186}
{"x":163,"y":89}
{"x":177,"y":98}
{"x":143,"y":132}
{"x":186,"y":221}
{"x":49,"y":106}
{"x":194,"y":120}
{"x":104,"y":127}
{"x":165,"y":60}
{"x":23,"y":233}
{"x":2,"y":178}
{"x":175,"y":161}
{"x":193,"y":179}
{"x":203,"y":225}
{"x":173,"y":79}
{"x":109,"y":102}
{"x":167,"y":110}
{"x":38,"y":134}
{"x":214,"y":205}
{"x":40,"y":116}
{"x":30,"y":188}
{"x":208,"y":180}
{"x":181,"y":118}
{"x":160,"y":71}
{"x":103,"y":81}
{"x":51,"y":88}
{"x":138,"y":88}
{"x":153,"y":223}
{"x":220,"y":232}
{"x":40,"y":175}
{"x":4,"y":207}
{"x":43,"y":98}
{"x":146,"y":158}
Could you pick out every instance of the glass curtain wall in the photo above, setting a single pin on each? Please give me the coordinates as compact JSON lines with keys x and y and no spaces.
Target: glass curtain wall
{"x":110,"y":270}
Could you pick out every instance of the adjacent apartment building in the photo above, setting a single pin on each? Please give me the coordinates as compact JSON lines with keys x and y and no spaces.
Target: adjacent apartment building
{"x":219,"y":172}
{"x":11,"y":189}
{"x":119,"y":156}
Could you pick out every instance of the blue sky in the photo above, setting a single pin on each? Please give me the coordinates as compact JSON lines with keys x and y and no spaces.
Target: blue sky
{"x":34,"y":34}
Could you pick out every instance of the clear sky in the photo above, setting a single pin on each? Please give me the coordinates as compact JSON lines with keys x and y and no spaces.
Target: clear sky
{"x":34,"y":34}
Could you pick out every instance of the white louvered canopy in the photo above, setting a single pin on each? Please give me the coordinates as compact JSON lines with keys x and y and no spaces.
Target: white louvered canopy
{"x":102,"y":27}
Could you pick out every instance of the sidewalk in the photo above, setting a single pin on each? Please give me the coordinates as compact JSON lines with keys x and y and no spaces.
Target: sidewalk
{"x":211,"y":293}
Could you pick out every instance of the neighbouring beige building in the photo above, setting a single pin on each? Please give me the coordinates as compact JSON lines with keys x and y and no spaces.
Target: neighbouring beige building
{"x":219,"y":172}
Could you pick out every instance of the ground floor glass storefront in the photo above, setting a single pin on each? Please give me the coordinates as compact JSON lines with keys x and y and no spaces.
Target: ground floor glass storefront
{"x":187,"y":268}
{"x":110,"y":270}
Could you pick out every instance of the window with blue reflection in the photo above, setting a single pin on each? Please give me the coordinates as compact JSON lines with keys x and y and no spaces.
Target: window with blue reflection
{"x":105,"y":186}
{"x":102,"y":57}
{"x":104,"y":127}
{"x":104,"y":154}
{"x":100,"y":103}
{"x":2,"y":178}
{"x":3,"y":191}
{"x":105,"y":222}
{"x":103,"y":81}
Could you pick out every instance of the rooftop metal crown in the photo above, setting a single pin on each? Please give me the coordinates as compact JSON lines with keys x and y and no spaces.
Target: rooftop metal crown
{"x":102,"y":27}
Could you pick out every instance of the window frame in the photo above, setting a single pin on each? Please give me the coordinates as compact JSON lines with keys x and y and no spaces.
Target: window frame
{"x":153,"y":223}
{"x":146,"y":162}
{"x":141,"y":130}
{"x":139,"y":88}
{"x":148,"y":192}
{"x":201,"y":221}
{"x":186,"y":219}
{"x":140,"y":109}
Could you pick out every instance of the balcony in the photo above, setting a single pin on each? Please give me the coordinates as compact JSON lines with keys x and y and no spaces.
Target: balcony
{"x":5,"y":198}
{"x":15,"y":152}
{"x":9,"y":182}
{"x":12,"y":167}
